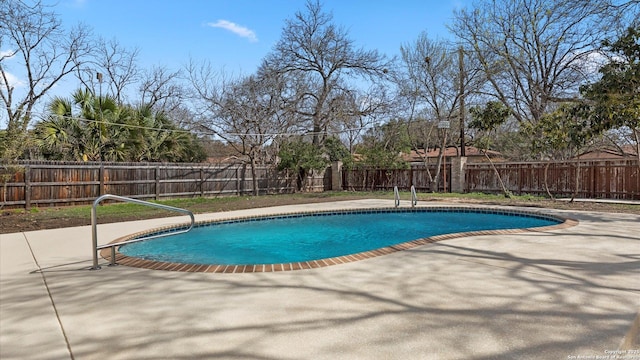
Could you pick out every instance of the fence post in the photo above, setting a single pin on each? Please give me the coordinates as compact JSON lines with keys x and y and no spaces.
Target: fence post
{"x":201,"y":181}
{"x":157,"y":181}
{"x":336,"y":176}
{"x":27,"y":187}
{"x":344,"y":179}
{"x":458,"y":175}
{"x":520,"y":179}
{"x":594,"y":182}
{"x":237,"y":181}
{"x":101,"y":190}
{"x":366,"y":180}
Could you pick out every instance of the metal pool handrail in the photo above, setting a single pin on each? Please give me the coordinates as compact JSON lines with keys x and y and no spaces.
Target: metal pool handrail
{"x":414,"y":197}
{"x":94,"y":225}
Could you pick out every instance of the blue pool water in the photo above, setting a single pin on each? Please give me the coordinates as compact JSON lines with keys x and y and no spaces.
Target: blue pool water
{"x":304,"y":237}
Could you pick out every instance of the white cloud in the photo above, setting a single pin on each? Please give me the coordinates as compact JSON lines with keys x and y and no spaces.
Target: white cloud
{"x":235,"y":28}
{"x":13,"y":80}
{"x":6,"y":54}
{"x":593,"y":61}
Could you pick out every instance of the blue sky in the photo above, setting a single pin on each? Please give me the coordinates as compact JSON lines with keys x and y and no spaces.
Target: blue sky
{"x":235,"y":35}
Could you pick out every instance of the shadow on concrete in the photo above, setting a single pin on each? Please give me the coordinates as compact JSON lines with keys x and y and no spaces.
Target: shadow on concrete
{"x":430,"y":302}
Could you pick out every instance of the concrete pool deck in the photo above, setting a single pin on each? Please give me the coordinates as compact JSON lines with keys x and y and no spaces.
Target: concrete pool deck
{"x":538,"y":295}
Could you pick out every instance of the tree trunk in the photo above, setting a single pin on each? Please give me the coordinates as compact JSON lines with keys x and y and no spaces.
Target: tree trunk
{"x":577,"y":183}
{"x":546,"y":184}
{"x":505,"y":191}
{"x":435,"y":181}
{"x":302,"y":176}
{"x":243,"y":178}
{"x":254,"y":177}
{"x":4,"y":192}
{"x":429,"y":176}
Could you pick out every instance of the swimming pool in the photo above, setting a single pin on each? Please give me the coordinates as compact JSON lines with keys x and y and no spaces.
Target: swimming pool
{"x":305,"y":240}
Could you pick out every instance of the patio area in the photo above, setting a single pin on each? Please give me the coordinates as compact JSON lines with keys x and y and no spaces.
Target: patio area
{"x":534,"y":295}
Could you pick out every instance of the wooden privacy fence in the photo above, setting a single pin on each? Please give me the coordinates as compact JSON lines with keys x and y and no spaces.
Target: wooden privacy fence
{"x":386,"y":179}
{"x":72,"y":183}
{"x":607,"y":179}
{"x":611,"y":179}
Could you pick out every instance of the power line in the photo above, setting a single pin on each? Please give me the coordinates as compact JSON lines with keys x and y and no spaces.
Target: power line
{"x":43,"y":116}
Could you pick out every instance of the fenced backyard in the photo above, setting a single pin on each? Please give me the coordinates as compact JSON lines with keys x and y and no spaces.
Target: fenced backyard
{"x":41,"y":184}
{"x":71,"y":183}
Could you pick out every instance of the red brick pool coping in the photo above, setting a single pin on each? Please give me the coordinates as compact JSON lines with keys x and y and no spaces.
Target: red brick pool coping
{"x":122,"y":259}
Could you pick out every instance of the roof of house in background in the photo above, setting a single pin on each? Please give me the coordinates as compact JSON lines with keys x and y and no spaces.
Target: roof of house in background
{"x":470,"y":151}
{"x":226,"y":159}
{"x":609,"y":153}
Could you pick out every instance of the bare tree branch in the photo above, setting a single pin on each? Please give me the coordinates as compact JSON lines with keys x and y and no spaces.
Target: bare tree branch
{"x":533,"y":52}
{"x":322,"y":55}
{"x":43,"y":53}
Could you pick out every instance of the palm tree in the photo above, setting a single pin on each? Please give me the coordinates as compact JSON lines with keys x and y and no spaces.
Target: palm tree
{"x":158,"y":139}
{"x":104,"y":131}
{"x":59,"y":133}
{"x":100,"y":113}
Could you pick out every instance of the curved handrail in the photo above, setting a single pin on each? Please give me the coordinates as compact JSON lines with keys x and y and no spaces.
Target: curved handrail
{"x":414,"y":197}
{"x":396,"y":195}
{"x":94,"y":227}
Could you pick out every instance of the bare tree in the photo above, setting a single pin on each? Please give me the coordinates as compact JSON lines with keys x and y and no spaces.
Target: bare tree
{"x":248,"y":113}
{"x":40,"y":54}
{"x":161,"y":89}
{"x":431,"y":70}
{"x":111,"y":70}
{"x":312,"y":46}
{"x":356,"y":111}
{"x":534,"y":53}
{"x":432,"y":84}
{"x":619,"y":15}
